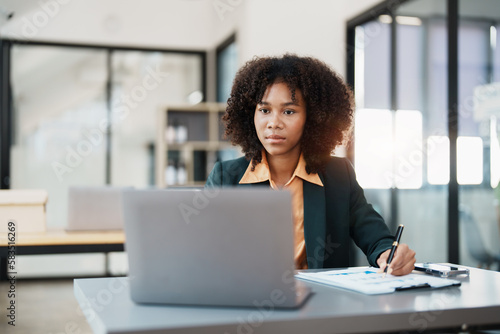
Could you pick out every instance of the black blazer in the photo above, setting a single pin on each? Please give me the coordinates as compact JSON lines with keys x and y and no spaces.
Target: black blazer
{"x":332,"y":214}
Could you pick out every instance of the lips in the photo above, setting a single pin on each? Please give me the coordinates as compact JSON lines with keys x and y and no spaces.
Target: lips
{"x":275,"y":139}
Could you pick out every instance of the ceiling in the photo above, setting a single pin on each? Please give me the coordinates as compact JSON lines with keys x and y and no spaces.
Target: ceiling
{"x":15,"y":7}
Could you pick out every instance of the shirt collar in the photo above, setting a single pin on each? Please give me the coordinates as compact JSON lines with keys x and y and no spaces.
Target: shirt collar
{"x":262,"y":173}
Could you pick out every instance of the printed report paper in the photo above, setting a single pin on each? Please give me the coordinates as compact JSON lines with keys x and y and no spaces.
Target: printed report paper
{"x":368,"y":281}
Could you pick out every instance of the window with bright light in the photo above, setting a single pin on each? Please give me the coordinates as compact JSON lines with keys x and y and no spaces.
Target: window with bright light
{"x":408,"y":150}
{"x":389,"y":148}
{"x":494,"y":153}
{"x":390,"y":155}
{"x":373,"y":150}
{"x":438,"y":160}
{"x":469,"y":160}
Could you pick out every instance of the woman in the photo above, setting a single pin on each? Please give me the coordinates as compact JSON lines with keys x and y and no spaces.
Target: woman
{"x":288,"y":114}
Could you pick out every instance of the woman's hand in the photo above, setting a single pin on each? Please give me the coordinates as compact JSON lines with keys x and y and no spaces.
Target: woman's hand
{"x":402,"y":263}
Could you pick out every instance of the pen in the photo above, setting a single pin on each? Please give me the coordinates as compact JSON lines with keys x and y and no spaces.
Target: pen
{"x":394,"y":247}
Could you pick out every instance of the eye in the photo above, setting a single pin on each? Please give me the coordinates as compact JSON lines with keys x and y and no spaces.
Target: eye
{"x":264,"y":110}
{"x":289,"y":112}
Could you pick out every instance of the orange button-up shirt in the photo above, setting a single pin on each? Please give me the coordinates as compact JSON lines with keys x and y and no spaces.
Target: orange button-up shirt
{"x":294,"y":185}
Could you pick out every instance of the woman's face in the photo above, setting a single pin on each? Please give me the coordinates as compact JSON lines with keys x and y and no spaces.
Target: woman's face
{"x":279,"y":121}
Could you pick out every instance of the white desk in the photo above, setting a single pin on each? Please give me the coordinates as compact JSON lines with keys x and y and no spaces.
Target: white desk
{"x":106,"y":304}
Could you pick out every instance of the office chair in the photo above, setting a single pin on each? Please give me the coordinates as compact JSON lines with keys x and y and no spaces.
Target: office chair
{"x":474,"y":240}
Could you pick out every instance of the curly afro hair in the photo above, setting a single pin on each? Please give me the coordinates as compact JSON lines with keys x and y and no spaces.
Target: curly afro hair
{"x":329,"y":105}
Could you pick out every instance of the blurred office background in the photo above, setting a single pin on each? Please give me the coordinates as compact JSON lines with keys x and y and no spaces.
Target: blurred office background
{"x":74,"y":66}
{"x":426,"y":77}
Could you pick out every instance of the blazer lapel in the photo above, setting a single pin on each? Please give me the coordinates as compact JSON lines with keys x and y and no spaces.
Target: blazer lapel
{"x":314,"y":224}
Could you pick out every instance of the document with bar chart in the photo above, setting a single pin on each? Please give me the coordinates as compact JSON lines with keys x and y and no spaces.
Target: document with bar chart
{"x":369,"y":281}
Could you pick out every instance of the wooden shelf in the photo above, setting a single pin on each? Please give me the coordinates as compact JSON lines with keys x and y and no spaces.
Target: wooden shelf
{"x":204,"y":142}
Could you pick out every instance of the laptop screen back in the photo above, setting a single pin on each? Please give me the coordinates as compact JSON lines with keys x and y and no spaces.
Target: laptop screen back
{"x":218,"y":246}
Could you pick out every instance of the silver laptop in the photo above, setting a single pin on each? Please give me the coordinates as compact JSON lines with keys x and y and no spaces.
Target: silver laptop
{"x":224,"y":247}
{"x":95,"y":208}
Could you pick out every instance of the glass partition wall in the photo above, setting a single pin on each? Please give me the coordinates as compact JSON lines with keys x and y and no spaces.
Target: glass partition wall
{"x":420,"y":88}
{"x":84,"y":115}
{"x":59,"y":98}
{"x":478,"y":160}
{"x":426,"y":147}
{"x":227,"y":66}
{"x":142,"y":82}
{"x":373,"y":131}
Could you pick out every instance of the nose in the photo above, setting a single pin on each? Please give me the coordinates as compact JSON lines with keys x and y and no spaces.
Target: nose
{"x":274,"y":122}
